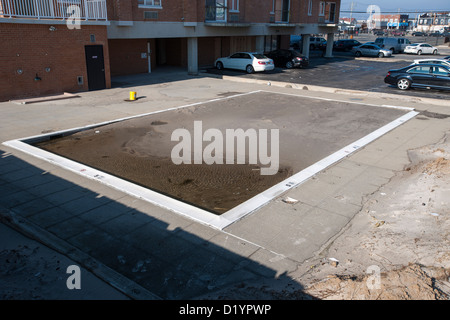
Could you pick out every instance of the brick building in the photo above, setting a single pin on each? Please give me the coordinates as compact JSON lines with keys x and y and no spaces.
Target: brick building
{"x":41,"y":55}
{"x":145,"y":34}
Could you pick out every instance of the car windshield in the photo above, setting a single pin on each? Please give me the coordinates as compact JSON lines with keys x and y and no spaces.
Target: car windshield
{"x":259,"y":56}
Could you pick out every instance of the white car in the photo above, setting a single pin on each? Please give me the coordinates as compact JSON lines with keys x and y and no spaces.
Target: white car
{"x":433,"y":61}
{"x":247,"y":61}
{"x":421,"y":48}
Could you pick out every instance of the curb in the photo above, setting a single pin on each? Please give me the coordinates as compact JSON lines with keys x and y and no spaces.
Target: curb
{"x":337,"y":90}
{"x":385,"y":59}
{"x":116,"y":280}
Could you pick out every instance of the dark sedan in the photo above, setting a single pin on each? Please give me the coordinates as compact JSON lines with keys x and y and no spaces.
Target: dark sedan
{"x":345,"y":45}
{"x":429,"y":76}
{"x":287,"y":58}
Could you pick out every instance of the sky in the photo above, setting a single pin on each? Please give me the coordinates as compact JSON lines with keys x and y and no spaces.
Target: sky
{"x":393,"y":6}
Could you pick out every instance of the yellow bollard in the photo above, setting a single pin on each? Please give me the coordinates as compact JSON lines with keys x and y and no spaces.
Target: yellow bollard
{"x":132,"y":95}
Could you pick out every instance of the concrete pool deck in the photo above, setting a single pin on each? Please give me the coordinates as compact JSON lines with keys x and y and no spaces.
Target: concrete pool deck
{"x":149,"y":253}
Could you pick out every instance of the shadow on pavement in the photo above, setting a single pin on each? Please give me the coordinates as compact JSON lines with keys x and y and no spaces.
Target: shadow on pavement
{"x":155,"y":253}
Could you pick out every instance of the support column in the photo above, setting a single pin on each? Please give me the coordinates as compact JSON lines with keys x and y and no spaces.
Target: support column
{"x":305,"y":39}
{"x":260,"y":44}
{"x":192,"y":56}
{"x":329,"y":49}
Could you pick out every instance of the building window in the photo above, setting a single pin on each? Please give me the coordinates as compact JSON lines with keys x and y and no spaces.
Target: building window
{"x":149,"y":3}
{"x":216,"y":10}
{"x":310,"y":8}
{"x":330,"y":12}
{"x":322,"y":8}
{"x":281,"y":10}
{"x":234,"y":6}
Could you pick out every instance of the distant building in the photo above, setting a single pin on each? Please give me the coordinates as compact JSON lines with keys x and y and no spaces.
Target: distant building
{"x":391,"y":21}
{"x":433,"y":22}
{"x":348,"y":25}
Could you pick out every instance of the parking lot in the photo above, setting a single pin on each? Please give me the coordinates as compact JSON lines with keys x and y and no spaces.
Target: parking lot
{"x":345,"y":71}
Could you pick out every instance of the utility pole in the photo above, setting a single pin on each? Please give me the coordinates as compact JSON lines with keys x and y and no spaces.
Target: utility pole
{"x":351,"y":14}
{"x":351,"y":10}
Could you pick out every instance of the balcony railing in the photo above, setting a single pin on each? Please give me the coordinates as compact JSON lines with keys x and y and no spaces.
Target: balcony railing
{"x":216,"y":13}
{"x":54,"y":9}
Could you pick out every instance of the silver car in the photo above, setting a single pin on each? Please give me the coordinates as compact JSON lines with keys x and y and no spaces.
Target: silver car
{"x":371,"y":50}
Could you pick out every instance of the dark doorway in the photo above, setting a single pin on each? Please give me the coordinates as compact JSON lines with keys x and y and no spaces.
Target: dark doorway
{"x":95,"y":65}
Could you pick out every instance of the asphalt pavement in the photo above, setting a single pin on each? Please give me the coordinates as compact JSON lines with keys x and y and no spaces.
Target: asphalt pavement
{"x":345,"y":71}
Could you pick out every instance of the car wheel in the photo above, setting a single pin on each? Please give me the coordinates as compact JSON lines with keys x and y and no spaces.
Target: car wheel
{"x":358,"y":53}
{"x":249,"y":69}
{"x":289,"y":65}
{"x":403,"y":84}
{"x":392,"y":49}
{"x":419,"y":52}
{"x":435,"y":52}
{"x":219,"y":65}
{"x":380,"y":55}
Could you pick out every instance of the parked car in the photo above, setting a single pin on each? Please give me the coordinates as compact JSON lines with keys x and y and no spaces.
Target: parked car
{"x":418,"y":34}
{"x":288,"y":58}
{"x":378,"y":32}
{"x":446,"y":58}
{"x":345,"y":45}
{"x":396,"y":45}
{"x":433,"y":61}
{"x":398,"y":33}
{"x":371,"y":50}
{"x":421,"y":76}
{"x":435,"y":34}
{"x":316,"y":42}
{"x":421,"y":48}
{"x":247,"y":61}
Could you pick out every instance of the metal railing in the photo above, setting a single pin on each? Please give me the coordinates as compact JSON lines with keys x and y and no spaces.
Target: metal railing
{"x":54,"y":9}
{"x":216,"y":13}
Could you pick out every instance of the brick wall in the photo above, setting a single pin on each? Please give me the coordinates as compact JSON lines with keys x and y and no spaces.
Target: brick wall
{"x":125,"y":56}
{"x":314,"y":17}
{"x":256,"y":11}
{"x":33,"y":47}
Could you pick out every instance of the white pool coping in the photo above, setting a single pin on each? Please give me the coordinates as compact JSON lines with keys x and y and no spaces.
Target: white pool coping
{"x":202,"y":216}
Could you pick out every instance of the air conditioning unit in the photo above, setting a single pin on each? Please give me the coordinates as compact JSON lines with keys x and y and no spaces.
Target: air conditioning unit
{"x":272,"y":19}
{"x":150,"y":15}
{"x":321,"y":19}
